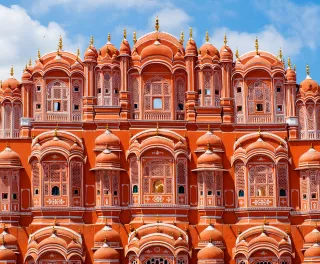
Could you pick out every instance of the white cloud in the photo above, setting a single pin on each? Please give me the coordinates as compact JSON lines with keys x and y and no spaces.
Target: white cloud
{"x":269,"y":40}
{"x":22,"y":36}
{"x":43,"y":6}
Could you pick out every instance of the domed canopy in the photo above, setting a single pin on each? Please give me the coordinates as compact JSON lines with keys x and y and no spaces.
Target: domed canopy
{"x":107,"y":160}
{"x":210,"y":252}
{"x":309,"y":86}
{"x":210,"y":233}
{"x":9,"y":159}
{"x":107,"y":139}
{"x":209,"y":49}
{"x":312,"y":237}
{"x":108,"y":234}
{"x":10,"y":83}
{"x":8,"y":239}
{"x":91,"y":53}
{"x":106,"y":253}
{"x":313,"y":252}
{"x":7,"y":254}
{"x":309,"y":160}
{"x":125,"y":47}
{"x":108,"y":49}
{"x":157,"y":49}
{"x":211,"y":139}
{"x":209,"y":161}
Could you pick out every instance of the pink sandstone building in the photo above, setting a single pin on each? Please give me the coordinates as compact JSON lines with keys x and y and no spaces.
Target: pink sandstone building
{"x":163,"y":151}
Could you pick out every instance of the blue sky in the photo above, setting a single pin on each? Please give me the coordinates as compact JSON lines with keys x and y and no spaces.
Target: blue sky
{"x":27,"y":25}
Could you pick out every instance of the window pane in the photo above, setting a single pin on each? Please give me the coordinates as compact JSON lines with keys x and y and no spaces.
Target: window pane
{"x":56,"y":106}
{"x":157,"y":103}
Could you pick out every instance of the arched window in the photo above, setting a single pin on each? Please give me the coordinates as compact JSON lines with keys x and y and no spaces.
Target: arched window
{"x":57,"y":101}
{"x":181,"y":189}
{"x":157,"y":99}
{"x":180,"y":98}
{"x":135,"y":97}
{"x":135,"y":189}
{"x":238,"y":95}
{"x":259,"y":103}
{"x":261,"y":180}
{"x":55,"y":191}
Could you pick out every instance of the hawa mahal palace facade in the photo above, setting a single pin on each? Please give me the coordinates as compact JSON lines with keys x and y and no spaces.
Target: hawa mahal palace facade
{"x":159,"y":152}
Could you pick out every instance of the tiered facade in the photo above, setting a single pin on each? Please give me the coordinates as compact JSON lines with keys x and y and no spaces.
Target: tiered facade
{"x":159,"y":153}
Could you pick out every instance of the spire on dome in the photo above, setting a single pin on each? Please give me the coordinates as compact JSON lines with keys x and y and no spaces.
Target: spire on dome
{"x":289,"y":63}
{"x":60,"y":45}
{"x":237,"y":53}
{"x":134,"y":37}
{"x":39,"y":54}
{"x":190,"y":33}
{"x":207,"y":36}
{"x":225,"y":41}
{"x":78,"y":53}
{"x":157,"y":26}
{"x":124,"y":33}
{"x":30,"y":62}
{"x":109,"y":37}
{"x":182,"y":37}
{"x":280,"y":54}
{"x":257,"y":46}
{"x":294,"y":67}
{"x":308,"y":70}
{"x":11,"y":71}
{"x":91,"y":41}
{"x":26,"y":68}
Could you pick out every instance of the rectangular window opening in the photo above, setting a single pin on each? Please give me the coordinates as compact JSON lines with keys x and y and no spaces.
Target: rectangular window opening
{"x":76,"y":107}
{"x":157,"y":103}
{"x":4,"y":196}
{"x":279,"y":108}
{"x":239,"y":108}
{"x":76,"y":89}
{"x":38,"y":88}
{"x":216,"y":92}
{"x":38,"y":106}
{"x":278,"y":89}
{"x":238,"y":89}
{"x":259,"y":107}
{"x":56,"y":106}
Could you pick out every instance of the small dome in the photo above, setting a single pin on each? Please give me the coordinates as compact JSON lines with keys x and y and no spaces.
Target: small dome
{"x":312,"y":237}
{"x":26,"y":75}
{"x":107,"y":139}
{"x":263,"y":238}
{"x":73,"y":245}
{"x":210,"y":233}
{"x":310,"y":159}
{"x":8,"y":239}
{"x":107,"y":160}
{"x":91,"y":53}
{"x":10,"y":83}
{"x":291,"y":75}
{"x":9,"y":159}
{"x":210,"y":160}
{"x":309,"y":86}
{"x":191,"y":48}
{"x":7,"y":254}
{"x":260,"y":144}
{"x":208,"y":48}
{"x":156,"y":49}
{"x":209,"y":138}
{"x":108,"y":50}
{"x":313,"y":252}
{"x":108,"y":234}
{"x":53,"y":240}
{"x":210,"y":251}
{"x":226,"y":53}
{"x":105,"y":253}
{"x":180,"y":242}
{"x":125,"y":47}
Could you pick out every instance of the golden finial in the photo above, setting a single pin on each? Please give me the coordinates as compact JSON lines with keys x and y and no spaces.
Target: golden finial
{"x":182,"y":37}
{"x":158,"y":221}
{"x":190,"y":33}
{"x":280,"y":54}
{"x":124,"y":34}
{"x":58,"y":52}
{"x":39,"y":55}
{"x":109,"y":37}
{"x":56,"y":131}
{"x":60,"y":45}
{"x":208,"y":146}
{"x":2,"y":240}
{"x":105,"y":240}
{"x":53,"y":230}
{"x":308,"y":69}
{"x":26,"y":68}
{"x":225,"y":41}
{"x":294,"y":67}
{"x":207,"y":36}
{"x":259,"y":131}
{"x":210,"y":240}
{"x":134,"y":37}
{"x":263,"y":228}
{"x":11,"y":71}
{"x":311,"y":145}
{"x":208,"y":127}
{"x":30,"y":62}
{"x":257,"y":46}
{"x":78,"y":53}
{"x":264,"y":220}
{"x":289,"y":62}
{"x":91,"y":41}
{"x":7,"y":144}
{"x":107,"y":126}
{"x":156,"y":26}
{"x":157,"y":131}
{"x":199,"y":51}
{"x":55,"y":221}
{"x":237,"y":53}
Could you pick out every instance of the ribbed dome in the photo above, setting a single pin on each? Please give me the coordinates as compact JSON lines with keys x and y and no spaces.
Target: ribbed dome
{"x":291,"y":75}
{"x":91,"y":53}
{"x":191,"y":48}
{"x":106,"y":234}
{"x":156,"y":49}
{"x":209,"y":138}
{"x":9,"y":159}
{"x":209,"y":160}
{"x":260,"y":144}
{"x":10,"y":83}
{"x":310,"y":159}
{"x":309,"y":86}
{"x":313,"y":252}
{"x":210,"y":233}
{"x":8,"y":239}
{"x":210,"y":252}
{"x":7,"y":254}
{"x":263,"y":238}
{"x":125,"y":47}
{"x":107,"y":160}
{"x":226,"y":53}
{"x":107,"y":139}
{"x":208,"y":48}
{"x":312,"y":237}
{"x":53,"y":239}
{"x":105,"y":253}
